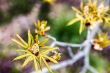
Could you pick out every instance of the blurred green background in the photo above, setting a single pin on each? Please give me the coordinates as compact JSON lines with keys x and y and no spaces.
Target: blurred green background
{"x":17,"y":16}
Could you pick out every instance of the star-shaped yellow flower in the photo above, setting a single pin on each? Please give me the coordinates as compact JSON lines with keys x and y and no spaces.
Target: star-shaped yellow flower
{"x":89,"y":14}
{"x":101,"y":41}
{"x":36,"y":51}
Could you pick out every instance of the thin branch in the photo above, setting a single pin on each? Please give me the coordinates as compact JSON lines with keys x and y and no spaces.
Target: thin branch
{"x":90,"y":36}
{"x":63,"y":43}
{"x":70,"y":52}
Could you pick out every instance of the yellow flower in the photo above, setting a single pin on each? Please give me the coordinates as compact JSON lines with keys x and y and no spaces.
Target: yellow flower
{"x":89,"y":14}
{"x":101,"y":41}
{"x":50,"y":1}
{"x":56,"y":56}
{"x":41,"y":27}
{"x":35,"y":51}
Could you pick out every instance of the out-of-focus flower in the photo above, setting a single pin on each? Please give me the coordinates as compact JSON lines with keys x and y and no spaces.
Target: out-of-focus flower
{"x":56,"y":56}
{"x":41,"y":27}
{"x":101,"y":42}
{"x":36,"y":51}
{"x":50,"y":1}
{"x":89,"y":14}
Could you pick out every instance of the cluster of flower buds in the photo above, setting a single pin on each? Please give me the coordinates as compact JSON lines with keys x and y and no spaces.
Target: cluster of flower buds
{"x":36,"y":50}
{"x":41,"y":27}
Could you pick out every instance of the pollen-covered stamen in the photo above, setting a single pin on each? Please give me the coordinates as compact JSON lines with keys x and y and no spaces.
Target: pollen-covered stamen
{"x":86,"y":11}
{"x":35,"y":49}
{"x":101,"y":39}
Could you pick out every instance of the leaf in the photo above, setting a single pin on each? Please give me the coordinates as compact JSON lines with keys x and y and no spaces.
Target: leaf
{"x":27,"y":61}
{"x":51,"y":59}
{"x":22,"y":56}
{"x":19,"y":43}
{"x":73,"y":21}
{"x":22,"y":40}
{"x":47,"y":65}
{"x":43,"y":42}
{"x":35,"y":64}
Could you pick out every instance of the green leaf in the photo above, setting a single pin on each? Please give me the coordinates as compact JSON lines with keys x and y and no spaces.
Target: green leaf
{"x":22,"y":56}
{"x":73,"y":21}
{"x":19,"y":43}
{"x":27,"y":61}
{"x":51,"y":59}
{"x":47,"y":65}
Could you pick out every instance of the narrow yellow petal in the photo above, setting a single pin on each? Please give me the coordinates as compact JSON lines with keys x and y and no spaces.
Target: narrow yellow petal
{"x":73,"y":21}
{"x":43,"y":42}
{"x":22,"y":40}
{"x":47,"y":65}
{"x":38,"y":23}
{"x":35,"y":64}
{"x":19,"y":43}
{"x":82,"y":26}
{"x":44,"y":23}
{"x":76,"y":10}
{"x":36,"y":38}
{"x":81,"y":5}
{"x":49,"y":50}
{"x":29,"y":39}
{"x":22,"y":56}
{"x":27,"y":61}
{"x":45,"y":47}
{"x":26,"y":51}
{"x":51,"y":59}
{"x":47,"y":28}
{"x":40,"y":62}
{"x":32,"y":38}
